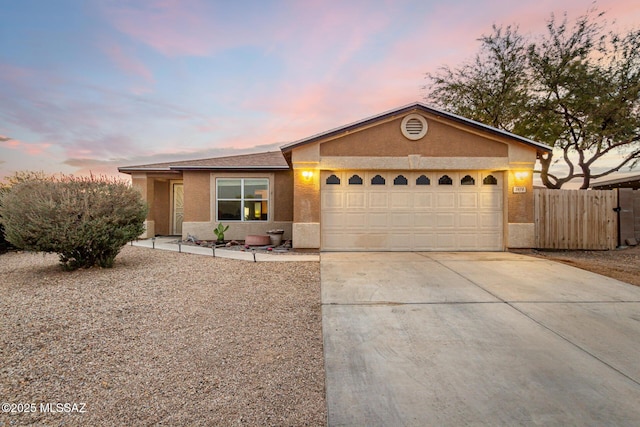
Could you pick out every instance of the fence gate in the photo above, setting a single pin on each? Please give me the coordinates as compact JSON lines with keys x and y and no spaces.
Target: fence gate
{"x":576,"y":219}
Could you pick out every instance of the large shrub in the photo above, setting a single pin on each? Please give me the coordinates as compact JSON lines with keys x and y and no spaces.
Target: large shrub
{"x":4,"y":245}
{"x":86,"y":221}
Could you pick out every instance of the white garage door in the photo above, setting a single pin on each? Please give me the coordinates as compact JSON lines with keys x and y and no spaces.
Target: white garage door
{"x":412,"y":211}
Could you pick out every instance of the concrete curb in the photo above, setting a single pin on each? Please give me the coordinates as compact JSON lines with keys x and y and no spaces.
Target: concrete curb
{"x":163,"y":244}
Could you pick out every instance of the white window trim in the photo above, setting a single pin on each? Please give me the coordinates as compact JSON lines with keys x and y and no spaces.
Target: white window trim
{"x":243,"y":200}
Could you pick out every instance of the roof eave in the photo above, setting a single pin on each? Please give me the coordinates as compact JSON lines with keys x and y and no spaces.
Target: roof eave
{"x":404,"y":109}
{"x":227,"y":168}
{"x":134,"y":169}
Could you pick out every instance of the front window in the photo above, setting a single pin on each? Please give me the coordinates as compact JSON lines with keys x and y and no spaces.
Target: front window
{"x":242,"y":199}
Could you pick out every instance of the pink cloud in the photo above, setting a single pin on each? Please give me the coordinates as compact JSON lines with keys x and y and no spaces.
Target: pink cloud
{"x":172,"y":27}
{"x":32,"y":149}
{"x":128,"y":63}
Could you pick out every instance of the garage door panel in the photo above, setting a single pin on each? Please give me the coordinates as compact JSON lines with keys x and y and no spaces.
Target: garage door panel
{"x":491,"y":200}
{"x":356,"y":199}
{"x":489,"y":242}
{"x":445,"y":200}
{"x":423,"y":200}
{"x":446,"y":242}
{"x":401,"y":220}
{"x":490,"y":220}
{"x":401,"y":241}
{"x":378,"y":200}
{"x":424,"y":241}
{"x":421,"y":215}
{"x":332,"y":200}
{"x":423,"y":220}
{"x":468,"y":220}
{"x":468,"y":241}
{"x":373,"y":241}
{"x":401,"y":200}
{"x":445,"y":220}
{"x":377,"y":219}
{"x":355,"y":220}
{"x":333,"y":220}
{"x":468,"y":200}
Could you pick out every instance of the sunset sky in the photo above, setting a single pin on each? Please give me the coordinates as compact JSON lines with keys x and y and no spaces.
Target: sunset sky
{"x":90,"y":85}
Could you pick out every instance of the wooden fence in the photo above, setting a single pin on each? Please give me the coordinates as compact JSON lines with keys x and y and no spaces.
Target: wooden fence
{"x":576,"y":219}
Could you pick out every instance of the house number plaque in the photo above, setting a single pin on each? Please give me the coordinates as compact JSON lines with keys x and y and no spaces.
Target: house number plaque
{"x":519,"y":189}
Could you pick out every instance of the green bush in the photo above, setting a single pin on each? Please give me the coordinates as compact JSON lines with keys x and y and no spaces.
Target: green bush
{"x":4,"y":245}
{"x":86,"y":221}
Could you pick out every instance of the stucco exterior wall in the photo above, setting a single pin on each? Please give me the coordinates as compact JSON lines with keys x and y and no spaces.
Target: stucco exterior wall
{"x":386,"y":140}
{"x":283,"y":196}
{"x":162,"y":208}
{"x":197,"y":196}
{"x":306,"y":196}
{"x":146,"y":187}
{"x":280,"y":205}
{"x":520,"y":204}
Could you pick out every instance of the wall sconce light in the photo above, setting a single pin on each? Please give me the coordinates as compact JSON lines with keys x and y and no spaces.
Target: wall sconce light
{"x":521,"y":175}
{"x":307,"y":175}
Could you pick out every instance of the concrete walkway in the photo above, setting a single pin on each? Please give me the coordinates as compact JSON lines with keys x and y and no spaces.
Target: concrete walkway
{"x":168,"y":244}
{"x":417,"y":339}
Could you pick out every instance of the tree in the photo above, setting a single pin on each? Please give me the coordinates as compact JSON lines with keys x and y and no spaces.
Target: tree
{"x":576,"y":89}
{"x":86,"y":221}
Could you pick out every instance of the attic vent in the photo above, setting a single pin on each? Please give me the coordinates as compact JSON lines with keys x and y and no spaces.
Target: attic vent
{"x":414,"y":127}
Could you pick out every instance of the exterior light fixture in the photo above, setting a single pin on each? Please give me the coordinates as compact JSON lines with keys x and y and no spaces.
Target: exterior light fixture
{"x":521,"y":175}
{"x":307,"y":175}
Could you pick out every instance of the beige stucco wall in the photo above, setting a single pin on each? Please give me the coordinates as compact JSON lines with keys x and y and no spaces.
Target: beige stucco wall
{"x":283,"y":196}
{"x":520,"y":204}
{"x":201,"y":197}
{"x":197,"y":196}
{"x":162,"y":207}
{"x":386,"y":140}
{"x":146,"y":188}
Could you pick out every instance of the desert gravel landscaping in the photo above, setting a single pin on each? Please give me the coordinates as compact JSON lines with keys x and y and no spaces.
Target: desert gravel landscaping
{"x":162,"y":339}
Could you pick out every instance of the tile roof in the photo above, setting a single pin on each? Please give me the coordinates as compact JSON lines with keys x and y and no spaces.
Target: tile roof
{"x":271,"y":160}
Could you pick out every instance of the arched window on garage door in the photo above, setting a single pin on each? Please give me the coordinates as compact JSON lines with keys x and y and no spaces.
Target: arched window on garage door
{"x":468,"y":180}
{"x":423,"y":180}
{"x":445,"y":180}
{"x":489,"y":180}
{"x":378,"y":180}
{"x":355,"y":180}
{"x":400,"y":180}
{"x":333,"y":180}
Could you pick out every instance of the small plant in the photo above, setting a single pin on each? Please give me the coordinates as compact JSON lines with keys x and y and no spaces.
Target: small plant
{"x":219,"y":231}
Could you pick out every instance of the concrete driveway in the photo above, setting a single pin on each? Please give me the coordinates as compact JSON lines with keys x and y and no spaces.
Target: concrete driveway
{"x":477,"y":339}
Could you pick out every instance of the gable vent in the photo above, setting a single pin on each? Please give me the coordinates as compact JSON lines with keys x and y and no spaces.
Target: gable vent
{"x":414,"y":127}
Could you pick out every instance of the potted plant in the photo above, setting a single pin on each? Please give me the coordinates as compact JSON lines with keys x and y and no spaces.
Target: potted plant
{"x":219,"y":232}
{"x":275,"y":236}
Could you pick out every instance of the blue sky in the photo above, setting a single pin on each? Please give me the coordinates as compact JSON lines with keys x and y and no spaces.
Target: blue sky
{"x":90,"y":85}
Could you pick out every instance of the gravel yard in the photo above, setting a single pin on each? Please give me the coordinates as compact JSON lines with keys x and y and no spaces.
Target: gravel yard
{"x":622,"y":264}
{"x":162,"y":339}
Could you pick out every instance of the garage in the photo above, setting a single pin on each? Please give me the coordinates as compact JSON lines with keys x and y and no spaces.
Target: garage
{"x":412,"y":210}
